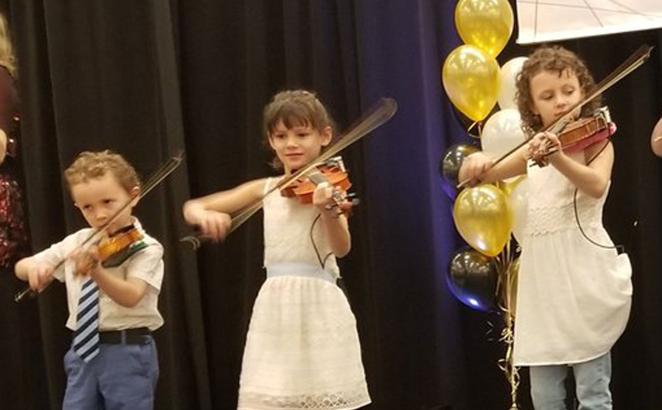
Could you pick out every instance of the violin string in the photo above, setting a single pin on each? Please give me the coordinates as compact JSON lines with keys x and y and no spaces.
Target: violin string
{"x":376,"y":116}
{"x":633,"y":62}
{"x":159,"y":175}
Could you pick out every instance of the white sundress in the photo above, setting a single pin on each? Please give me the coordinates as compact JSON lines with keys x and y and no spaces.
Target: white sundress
{"x":573,"y":297}
{"x":302,"y":348}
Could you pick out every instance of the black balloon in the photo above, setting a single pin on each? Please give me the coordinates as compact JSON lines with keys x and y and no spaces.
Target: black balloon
{"x":472,"y":279}
{"x":449,"y":166}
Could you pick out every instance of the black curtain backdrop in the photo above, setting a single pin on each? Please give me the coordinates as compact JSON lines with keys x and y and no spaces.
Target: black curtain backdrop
{"x":148,"y":78}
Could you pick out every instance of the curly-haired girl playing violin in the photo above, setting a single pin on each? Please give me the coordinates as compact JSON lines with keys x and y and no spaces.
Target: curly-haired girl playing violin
{"x":574,"y":289}
{"x":302,"y":349}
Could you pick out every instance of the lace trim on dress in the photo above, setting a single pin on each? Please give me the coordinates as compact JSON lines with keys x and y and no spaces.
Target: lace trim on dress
{"x":341,"y":400}
{"x":553,"y":219}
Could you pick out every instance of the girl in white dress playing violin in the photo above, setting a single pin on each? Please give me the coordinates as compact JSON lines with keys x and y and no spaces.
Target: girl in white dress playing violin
{"x":574,"y":291}
{"x":302,"y":348}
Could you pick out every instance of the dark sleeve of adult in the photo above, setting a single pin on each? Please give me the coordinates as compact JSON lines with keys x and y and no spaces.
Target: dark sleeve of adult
{"x":8,"y":100}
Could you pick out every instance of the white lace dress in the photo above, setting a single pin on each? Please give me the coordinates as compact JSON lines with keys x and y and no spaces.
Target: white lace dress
{"x":573,"y":298}
{"x":302,"y":348}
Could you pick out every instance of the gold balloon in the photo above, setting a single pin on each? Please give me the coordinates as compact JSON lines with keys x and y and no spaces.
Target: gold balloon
{"x":471,"y":80}
{"x":482,"y":218}
{"x":508,"y":186}
{"x":486,"y":24}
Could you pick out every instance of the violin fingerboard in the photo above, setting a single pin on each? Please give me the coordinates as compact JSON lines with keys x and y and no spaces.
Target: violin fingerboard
{"x":317,"y":178}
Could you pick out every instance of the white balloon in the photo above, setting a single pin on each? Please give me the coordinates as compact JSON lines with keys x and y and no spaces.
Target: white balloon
{"x":518,"y":205}
{"x":507,"y":78}
{"x":502,"y":132}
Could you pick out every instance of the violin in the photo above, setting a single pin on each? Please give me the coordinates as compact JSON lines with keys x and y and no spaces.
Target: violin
{"x":585,"y":132}
{"x":111,"y":250}
{"x":578,"y":135}
{"x":120,"y":241}
{"x":332,"y":172}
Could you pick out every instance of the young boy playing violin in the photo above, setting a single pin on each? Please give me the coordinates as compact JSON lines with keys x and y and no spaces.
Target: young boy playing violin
{"x":112,"y":288}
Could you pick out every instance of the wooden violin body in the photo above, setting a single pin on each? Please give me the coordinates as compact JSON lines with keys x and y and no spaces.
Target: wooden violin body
{"x":585,"y":132}
{"x":332,"y":171}
{"x":578,"y":135}
{"x":120,"y":241}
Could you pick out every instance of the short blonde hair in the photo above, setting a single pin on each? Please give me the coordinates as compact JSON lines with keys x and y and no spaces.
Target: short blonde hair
{"x":91,"y":165}
{"x":7,"y":58}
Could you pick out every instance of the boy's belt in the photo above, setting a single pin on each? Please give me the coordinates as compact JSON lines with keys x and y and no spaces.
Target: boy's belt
{"x":135,"y":336}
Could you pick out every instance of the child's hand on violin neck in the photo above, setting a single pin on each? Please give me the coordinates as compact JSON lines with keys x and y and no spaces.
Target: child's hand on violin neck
{"x":85,"y":261}
{"x":330,"y":200}
{"x":40,"y":276}
{"x":542,"y":145}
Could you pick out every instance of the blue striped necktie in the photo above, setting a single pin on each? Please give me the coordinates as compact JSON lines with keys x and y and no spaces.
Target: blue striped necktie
{"x":86,"y":336}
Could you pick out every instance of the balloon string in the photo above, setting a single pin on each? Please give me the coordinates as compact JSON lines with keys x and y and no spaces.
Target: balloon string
{"x":504,"y":288}
{"x":506,"y":365}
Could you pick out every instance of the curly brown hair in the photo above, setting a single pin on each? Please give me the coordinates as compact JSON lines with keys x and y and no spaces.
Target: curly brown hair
{"x":90,"y":165}
{"x":555,"y":59}
{"x":295,"y":108}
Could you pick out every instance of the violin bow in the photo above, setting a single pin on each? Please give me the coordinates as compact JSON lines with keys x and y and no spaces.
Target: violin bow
{"x":155,"y":179}
{"x":638,"y":58}
{"x":376,"y":116}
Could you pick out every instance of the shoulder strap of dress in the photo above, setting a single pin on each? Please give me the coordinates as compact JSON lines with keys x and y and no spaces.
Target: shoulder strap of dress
{"x":267,"y":185}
